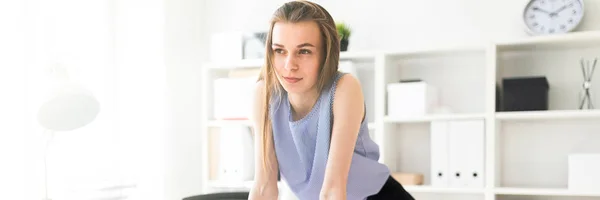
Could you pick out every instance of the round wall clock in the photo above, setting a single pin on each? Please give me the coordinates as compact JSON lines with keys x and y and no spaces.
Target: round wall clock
{"x":543,"y":17}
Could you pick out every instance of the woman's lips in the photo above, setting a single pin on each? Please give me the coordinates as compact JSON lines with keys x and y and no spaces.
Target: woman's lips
{"x":292,"y":79}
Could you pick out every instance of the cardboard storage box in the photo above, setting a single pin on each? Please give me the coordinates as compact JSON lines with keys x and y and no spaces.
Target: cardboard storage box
{"x":408,"y":178}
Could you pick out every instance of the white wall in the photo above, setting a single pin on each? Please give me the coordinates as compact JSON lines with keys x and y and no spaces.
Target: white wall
{"x":185,"y":50}
{"x":125,"y":66}
{"x":141,"y":87}
{"x":12,"y":119}
{"x":114,"y":48}
{"x":397,"y":25}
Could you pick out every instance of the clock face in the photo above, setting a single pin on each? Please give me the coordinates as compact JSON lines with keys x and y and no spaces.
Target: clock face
{"x":553,"y":16}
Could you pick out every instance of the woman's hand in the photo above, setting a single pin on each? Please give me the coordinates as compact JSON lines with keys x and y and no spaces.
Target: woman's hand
{"x":348,"y":112}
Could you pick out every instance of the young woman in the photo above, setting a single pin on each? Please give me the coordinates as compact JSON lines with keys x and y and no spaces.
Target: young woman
{"x":310,"y":118}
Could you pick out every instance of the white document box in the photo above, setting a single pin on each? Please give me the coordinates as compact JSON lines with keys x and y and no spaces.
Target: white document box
{"x":411,"y":99}
{"x":584,"y":172}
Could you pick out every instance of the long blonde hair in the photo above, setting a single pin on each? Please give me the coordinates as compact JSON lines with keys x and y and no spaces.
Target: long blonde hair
{"x":292,"y":12}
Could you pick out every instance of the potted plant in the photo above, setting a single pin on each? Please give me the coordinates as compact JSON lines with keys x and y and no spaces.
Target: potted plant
{"x":344,"y":32}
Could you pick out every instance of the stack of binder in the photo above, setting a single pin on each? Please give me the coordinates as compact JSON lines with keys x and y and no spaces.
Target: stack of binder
{"x":457,"y":153}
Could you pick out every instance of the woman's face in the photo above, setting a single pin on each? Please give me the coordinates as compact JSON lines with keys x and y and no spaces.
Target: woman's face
{"x":297,"y":55}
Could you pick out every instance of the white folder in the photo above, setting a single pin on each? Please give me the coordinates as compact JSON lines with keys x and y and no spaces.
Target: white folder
{"x":439,"y":154}
{"x":475,"y":156}
{"x":466,"y":153}
{"x":457,"y":151}
{"x":236,"y":154}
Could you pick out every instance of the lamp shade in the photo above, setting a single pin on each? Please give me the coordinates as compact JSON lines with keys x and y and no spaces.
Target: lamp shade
{"x":69,"y":107}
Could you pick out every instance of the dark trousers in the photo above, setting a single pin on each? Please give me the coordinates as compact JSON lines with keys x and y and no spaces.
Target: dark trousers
{"x":392,"y":189}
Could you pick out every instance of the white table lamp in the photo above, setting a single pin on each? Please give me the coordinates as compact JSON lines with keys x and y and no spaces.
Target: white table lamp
{"x":68,"y":106}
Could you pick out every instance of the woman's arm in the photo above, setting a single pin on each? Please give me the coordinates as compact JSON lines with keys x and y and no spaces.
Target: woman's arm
{"x":265,"y":185}
{"x":348,"y":110}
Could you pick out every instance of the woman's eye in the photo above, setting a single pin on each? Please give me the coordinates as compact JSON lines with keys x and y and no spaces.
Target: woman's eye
{"x":279,"y":51}
{"x":304,"y":51}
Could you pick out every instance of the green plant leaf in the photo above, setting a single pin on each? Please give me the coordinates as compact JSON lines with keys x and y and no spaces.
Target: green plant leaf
{"x":343,"y":30}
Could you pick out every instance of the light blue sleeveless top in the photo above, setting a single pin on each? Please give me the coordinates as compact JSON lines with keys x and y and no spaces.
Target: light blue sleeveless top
{"x":302,"y":148}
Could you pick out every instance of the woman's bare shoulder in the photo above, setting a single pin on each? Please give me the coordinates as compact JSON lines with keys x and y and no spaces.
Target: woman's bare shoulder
{"x":347,"y":86}
{"x":258,"y":99}
{"x":348,"y":97}
{"x":259,"y":87}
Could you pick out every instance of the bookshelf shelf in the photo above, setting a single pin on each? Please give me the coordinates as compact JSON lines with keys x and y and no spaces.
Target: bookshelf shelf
{"x":443,"y":190}
{"x":432,"y":117}
{"x":544,"y":192}
{"x":548,"y":115}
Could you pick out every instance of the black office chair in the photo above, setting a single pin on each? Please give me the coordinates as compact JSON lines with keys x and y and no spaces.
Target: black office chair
{"x":221,"y":196}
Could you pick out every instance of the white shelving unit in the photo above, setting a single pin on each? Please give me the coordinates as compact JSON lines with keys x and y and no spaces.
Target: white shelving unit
{"x":525,"y":151}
